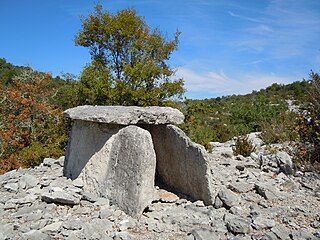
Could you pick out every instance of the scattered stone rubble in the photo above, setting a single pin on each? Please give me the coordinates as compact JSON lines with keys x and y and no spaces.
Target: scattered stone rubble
{"x":255,"y":200}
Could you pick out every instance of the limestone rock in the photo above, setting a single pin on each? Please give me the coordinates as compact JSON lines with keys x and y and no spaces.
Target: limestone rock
{"x":126,"y":115}
{"x":228,"y":198}
{"x":35,"y":235}
{"x":130,"y":177}
{"x":25,"y":216}
{"x":87,"y":140}
{"x":281,"y":232}
{"x":285,"y":162}
{"x":268,"y":191}
{"x":262,"y":222}
{"x":238,"y":225}
{"x":204,"y":234}
{"x":58,"y":195}
{"x":240,"y":186}
{"x":218,"y":203}
{"x":123,"y":170}
{"x":182,"y":164}
{"x":11,"y":187}
{"x":29,"y":181}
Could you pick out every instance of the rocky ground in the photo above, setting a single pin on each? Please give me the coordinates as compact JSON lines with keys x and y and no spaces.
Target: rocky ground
{"x":257,"y":198}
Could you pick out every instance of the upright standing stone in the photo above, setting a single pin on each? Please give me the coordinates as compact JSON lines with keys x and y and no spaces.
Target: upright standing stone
{"x":86,"y":141}
{"x":182,"y":164}
{"x":130,"y":177}
{"x":123,"y":170}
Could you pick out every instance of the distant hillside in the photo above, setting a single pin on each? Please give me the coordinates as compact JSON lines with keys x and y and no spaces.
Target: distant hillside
{"x":220,"y":119}
{"x":8,"y":71}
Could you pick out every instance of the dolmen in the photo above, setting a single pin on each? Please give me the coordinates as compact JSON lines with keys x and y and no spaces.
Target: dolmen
{"x":118,"y":151}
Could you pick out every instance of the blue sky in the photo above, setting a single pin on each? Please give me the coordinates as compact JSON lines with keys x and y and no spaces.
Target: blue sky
{"x":226,"y":46}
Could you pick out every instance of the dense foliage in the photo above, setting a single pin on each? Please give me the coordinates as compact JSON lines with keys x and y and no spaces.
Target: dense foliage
{"x":129,"y":61}
{"x":308,"y":128}
{"x":8,"y":71}
{"x":220,"y":119}
{"x":31,"y":127}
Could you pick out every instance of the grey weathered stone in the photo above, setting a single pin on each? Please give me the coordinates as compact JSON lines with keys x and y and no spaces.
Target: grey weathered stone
{"x":58,"y":195}
{"x":238,"y":225}
{"x":123,"y":235}
{"x":205,"y":234}
{"x":130,"y":177}
{"x":269,"y":236}
{"x":95,"y":129}
{"x":281,"y":232}
{"x":89,"y":197}
{"x":236,"y":210}
{"x":262,"y":222}
{"x":6,"y":231}
{"x":86,"y":142}
{"x":25,"y":216}
{"x":97,"y":229}
{"x":285,"y":162}
{"x":199,"y":203}
{"x":53,"y":227}
{"x":268,"y":191}
{"x":240,"y":186}
{"x":35,"y":235}
{"x":126,"y":115}
{"x":255,"y":139}
{"x":30,"y":198}
{"x":123,"y":170}
{"x":29,"y":181}
{"x":182,"y":164}
{"x":60,"y":161}
{"x":11,"y":187}
{"x":48,"y":162}
{"x":299,"y":235}
{"x":228,"y":198}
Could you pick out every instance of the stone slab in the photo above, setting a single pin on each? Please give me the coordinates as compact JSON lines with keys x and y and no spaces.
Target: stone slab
{"x":126,"y":115}
{"x":114,"y":162}
{"x":131,"y":172}
{"x":85,"y":141}
{"x":182,"y":164}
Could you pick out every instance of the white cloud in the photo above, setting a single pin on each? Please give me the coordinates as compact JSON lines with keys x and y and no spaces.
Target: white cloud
{"x":212,"y":84}
{"x":282,"y":30}
{"x":261,"y":29}
{"x":244,"y":17}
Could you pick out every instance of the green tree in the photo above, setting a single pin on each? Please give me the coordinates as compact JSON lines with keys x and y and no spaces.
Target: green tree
{"x":8,"y":71}
{"x":129,"y":61}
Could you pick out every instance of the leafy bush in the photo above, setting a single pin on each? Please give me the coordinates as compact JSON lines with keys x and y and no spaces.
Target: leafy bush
{"x":30,"y":127}
{"x":243,"y":146}
{"x":308,"y":128}
{"x":280,"y":129}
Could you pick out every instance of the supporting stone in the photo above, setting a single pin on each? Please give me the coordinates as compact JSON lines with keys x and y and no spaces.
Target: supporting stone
{"x":131,"y":173}
{"x":115,"y":162}
{"x":86,"y":142}
{"x":182,"y":164}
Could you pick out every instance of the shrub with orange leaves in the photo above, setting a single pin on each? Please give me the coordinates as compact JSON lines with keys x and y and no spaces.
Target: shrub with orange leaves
{"x":30,"y":127}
